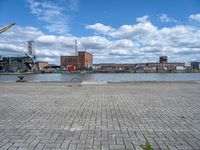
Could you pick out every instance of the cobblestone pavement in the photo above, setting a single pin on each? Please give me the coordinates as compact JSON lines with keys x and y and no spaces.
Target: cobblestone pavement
{"x":113,"y":116}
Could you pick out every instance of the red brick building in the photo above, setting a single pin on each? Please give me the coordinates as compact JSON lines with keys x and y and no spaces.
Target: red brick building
{"x":83,"y":60}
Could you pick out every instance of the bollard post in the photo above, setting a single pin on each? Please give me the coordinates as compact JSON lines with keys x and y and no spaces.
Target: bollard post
{"x":21,"y":79}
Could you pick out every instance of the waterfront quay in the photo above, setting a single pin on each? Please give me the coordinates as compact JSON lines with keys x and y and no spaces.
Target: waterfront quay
{"x":99,"y":115}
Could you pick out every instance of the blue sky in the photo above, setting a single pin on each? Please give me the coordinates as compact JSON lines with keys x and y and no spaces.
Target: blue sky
{"x":121,"y":31}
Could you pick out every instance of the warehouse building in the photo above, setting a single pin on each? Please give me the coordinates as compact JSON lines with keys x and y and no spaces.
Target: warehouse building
{"x":195,"y":65}
{"x":83,"y":61}
{"x":13,"y":64}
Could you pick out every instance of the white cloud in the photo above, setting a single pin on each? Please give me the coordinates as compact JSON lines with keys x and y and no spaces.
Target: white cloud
{"x":95,"y":42}
{"x":53,"y":14}
{"x":15,"y":40}
{"x":120,"y":52}
{"x":125,"y":31}
{"x":124,"y":43}
{"x":100,"y":28}
{"x":130,"y":31}
{"x":195,"y":17}
{"x":50,"y":60}
{"x":140,"y":42}
{"x":165,"y":18}
{"x":48,"y":52}
{"x":143,"y":19}
{"x":56,"y":40}
{"x":6,"y":47}
{"x":23,"y":33}
{"x":145,"y":39}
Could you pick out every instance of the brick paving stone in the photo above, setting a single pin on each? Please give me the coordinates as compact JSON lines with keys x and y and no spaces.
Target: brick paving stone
{"x":54,"y":116}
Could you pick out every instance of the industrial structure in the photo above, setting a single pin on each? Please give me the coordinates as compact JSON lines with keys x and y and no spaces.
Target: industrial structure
{"x":163,"y":59}
{"x":20,"y":64}
{"x":31,"y":56}
{"x":13,"y":64}
{"x":83,"y":61}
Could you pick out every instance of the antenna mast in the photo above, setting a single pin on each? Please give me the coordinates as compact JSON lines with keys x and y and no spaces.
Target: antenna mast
{"x":76,"y":48}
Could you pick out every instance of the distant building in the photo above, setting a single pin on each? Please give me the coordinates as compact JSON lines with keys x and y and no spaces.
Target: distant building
{"x":41,"y":65}
{"x":53,"y":66}
{"x":188,"y":66}
{"x":154,"y":67}
{"x":163,"y":59}
{"x":180,"y":68}
{"x":112,"y":67}
{"x":84,"y":60}
{"x":1,"y":63}
{"x":195,"y":65}
{"x":140,"y":67}
{"x":15,"y":63}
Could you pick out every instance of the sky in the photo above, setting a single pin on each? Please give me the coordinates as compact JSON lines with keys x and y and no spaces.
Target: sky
{"x":114,"y":31}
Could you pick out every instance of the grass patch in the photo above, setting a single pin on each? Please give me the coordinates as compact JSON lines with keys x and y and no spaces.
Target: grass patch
{"x":147,"y":146}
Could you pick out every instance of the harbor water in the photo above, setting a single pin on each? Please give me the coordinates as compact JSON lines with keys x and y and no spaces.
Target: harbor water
{"x":112,"y":77}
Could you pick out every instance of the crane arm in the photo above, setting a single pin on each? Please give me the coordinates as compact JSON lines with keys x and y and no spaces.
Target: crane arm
{"x":6,"y":28}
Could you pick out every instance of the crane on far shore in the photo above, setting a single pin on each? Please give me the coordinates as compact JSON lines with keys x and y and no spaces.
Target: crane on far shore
{"x":6,"y":28}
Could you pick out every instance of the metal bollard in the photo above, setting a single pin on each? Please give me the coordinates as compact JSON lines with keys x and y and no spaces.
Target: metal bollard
{"x":21,"y":79}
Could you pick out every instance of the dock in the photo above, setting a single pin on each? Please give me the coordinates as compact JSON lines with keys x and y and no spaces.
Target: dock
{"x":109,"y":116}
